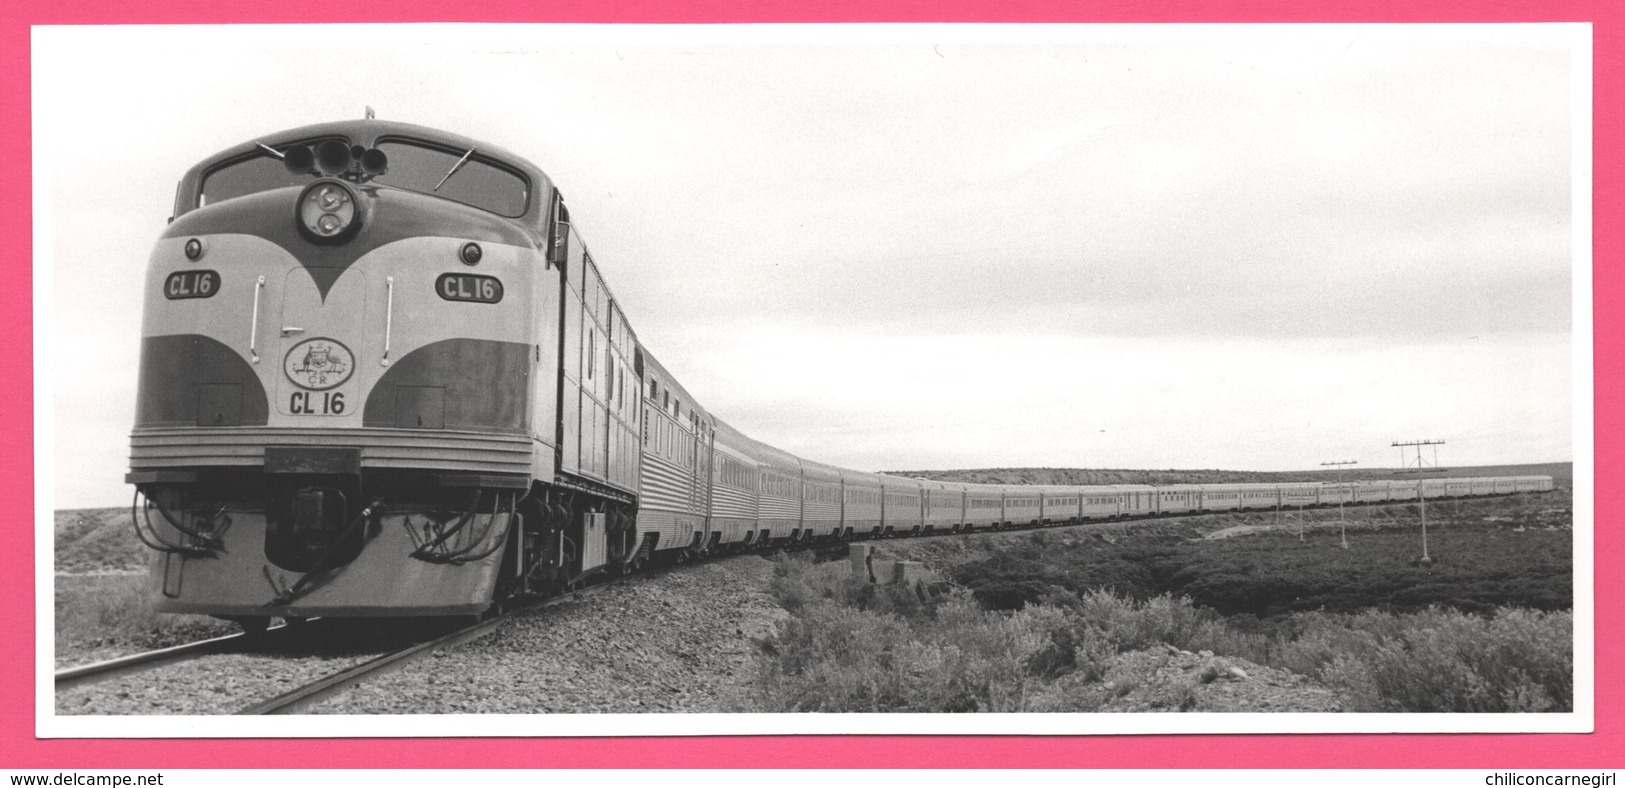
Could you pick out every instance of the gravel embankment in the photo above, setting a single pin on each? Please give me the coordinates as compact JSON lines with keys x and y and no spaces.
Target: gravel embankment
{"x":680,"y":641}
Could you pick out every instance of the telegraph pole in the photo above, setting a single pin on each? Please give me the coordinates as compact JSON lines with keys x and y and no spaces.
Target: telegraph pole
{"x":1422,"y":496}
{"x":1344,"y":465}
{"x":1421,"y":484}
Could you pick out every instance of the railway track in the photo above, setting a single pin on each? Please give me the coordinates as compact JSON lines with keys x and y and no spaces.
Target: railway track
{"x":276,"y":638}
{"x":312,"y":693}
{"x":148,"y":660}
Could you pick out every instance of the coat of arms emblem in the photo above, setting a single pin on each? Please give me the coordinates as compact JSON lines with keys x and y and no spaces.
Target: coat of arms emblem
{"x":319,"y":364}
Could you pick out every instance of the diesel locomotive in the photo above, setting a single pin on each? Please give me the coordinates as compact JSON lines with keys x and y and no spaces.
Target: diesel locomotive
{"x":381,"y":375}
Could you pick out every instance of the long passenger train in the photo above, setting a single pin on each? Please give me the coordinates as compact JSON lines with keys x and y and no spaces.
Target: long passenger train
{"x":382,"y":375}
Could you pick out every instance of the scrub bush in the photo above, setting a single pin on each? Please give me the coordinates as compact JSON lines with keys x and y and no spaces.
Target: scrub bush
{"x":850,"y":646}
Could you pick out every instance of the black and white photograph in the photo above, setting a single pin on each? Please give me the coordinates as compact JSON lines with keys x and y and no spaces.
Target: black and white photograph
{"x":485,"y":380}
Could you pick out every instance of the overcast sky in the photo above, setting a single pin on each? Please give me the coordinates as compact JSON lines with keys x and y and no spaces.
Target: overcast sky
{"x":933,"y":247}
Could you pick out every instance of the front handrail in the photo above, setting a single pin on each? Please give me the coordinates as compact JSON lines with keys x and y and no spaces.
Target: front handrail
{"x":389,"y":315}
{"x":254,"y":322}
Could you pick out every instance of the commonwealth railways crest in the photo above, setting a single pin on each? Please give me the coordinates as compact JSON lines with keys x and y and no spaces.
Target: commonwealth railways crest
{"x":319,"y":364}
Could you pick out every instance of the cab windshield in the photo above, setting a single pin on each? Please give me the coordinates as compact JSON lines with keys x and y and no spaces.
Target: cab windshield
{"x":479,"y":182}
{"x":416,"y":166}
{"x":256,"y":173}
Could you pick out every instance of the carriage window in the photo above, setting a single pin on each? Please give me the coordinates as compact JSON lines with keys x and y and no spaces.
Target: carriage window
{"x":256,"y":173}
{"x":480,"y":182}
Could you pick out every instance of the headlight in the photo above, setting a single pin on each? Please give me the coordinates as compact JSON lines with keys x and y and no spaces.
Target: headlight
{"x":327,"y":212}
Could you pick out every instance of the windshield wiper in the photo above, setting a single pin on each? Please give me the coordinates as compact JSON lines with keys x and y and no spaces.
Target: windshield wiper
{"x":454,"y":169}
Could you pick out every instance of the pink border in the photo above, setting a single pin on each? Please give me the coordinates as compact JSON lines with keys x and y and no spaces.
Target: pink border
{"x":21,"y":749}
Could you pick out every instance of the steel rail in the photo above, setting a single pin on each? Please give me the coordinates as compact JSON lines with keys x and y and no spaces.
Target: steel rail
{"x":147,"y":660}
{"x":308,"y":695}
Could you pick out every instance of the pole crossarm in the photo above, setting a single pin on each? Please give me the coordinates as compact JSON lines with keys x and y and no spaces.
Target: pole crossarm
{"x":1421,"y":465}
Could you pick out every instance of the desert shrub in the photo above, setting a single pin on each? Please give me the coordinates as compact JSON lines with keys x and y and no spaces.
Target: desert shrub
{"x":1069,"y":655}
{"x":1062,"y":621}
{"x":1013,"y":594}
{"x":1058,"y":654}
{"x":1437,"y":660}
{"x":798,"y":582}
{"x":1130,"y":624}
{"x":835,"y":658}
{"x":852,"y":646}
{"x":1224,"y":640}
{"x":999,"y":662}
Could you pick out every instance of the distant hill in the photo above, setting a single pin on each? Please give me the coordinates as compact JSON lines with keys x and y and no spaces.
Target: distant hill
{"x":1562,"y":474}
